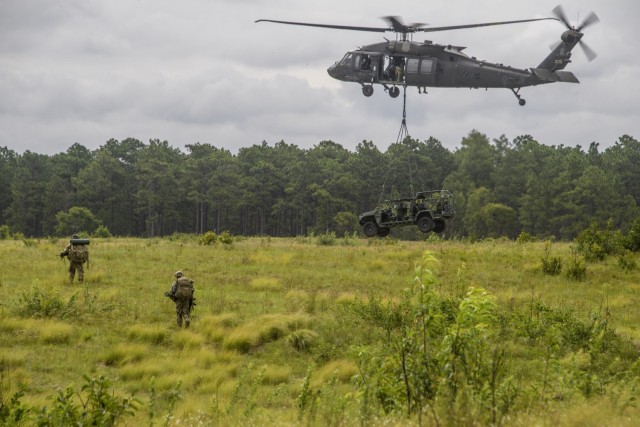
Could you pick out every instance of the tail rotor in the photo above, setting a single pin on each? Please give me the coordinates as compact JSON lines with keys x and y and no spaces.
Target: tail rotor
{"x":591,"y":19}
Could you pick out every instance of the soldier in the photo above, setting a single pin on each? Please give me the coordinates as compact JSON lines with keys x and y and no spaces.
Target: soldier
{"x":182,"y":292}
{"x":77,"y":254}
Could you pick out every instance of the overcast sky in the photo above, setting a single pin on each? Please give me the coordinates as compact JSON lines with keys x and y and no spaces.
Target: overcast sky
{"x":202,"y":71}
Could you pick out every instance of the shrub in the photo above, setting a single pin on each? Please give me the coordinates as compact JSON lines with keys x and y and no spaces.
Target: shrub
{"x":209,"y":238}
{"x":632,"y":239}
{"x":627,"y":261}
{"x":102,"y":231}
{"x":550,"y":265}
{"x":525,"y":237}
{"x":39,"y":303}
{"x":596,"y":244}
{"x":5,"y":232}
{"x":302,"y":339}
{"x":577,"y":269}
{"x":225,"y":237}
{"x":29,"y":242}
{"x":326,"y":239}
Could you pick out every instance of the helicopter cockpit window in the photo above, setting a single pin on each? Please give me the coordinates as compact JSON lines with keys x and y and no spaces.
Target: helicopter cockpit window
{"x":347,"y":59}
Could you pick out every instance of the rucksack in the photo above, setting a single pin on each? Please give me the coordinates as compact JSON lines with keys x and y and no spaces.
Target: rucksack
{"x":78,"y":253}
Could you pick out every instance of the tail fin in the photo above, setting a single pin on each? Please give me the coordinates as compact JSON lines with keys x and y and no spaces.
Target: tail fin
{"x":561,"y":54}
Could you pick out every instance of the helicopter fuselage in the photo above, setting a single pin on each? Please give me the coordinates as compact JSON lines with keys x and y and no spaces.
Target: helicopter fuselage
{"x":408,"y":63}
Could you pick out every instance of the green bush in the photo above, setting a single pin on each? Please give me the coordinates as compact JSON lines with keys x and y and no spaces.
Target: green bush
{"x":326,"y":239}
{"x":551,"y":266}
{"x":225,"y":238}
{"x":632,"y":239}
{"x":102,"y":231}
{"x":525,"y":237}
{"x":577,"y":269}
{"x":627,"y":261}
{"x":595,"y":244}
{"x":209,"y":238}
{"x":39,"y":303}
{"x":5,"y":232}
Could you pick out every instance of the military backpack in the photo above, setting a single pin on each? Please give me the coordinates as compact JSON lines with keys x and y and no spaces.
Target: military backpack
{"x":78,"y":253}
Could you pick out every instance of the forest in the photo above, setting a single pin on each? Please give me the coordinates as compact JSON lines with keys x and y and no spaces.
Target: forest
{"x":501,"y":187}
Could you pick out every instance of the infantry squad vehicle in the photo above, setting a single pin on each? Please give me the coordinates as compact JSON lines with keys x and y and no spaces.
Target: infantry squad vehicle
{"x":429,"y":210}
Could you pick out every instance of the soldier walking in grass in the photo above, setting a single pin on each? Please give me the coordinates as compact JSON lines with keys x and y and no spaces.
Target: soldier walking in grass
{"x":182,"y":294}
{"x":78,"y":254}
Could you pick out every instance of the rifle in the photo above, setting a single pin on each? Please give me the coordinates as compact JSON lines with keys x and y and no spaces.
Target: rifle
{"x":170,"y":296}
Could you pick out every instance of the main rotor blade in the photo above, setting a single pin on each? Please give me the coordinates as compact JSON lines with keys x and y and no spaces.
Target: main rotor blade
{"x":335,"y":27}
{"x":590,"y":53}
{"x":399,"y":27}
{"x":559,"y":12}
{"x":486,"y":24}
{"x":591,"y":19}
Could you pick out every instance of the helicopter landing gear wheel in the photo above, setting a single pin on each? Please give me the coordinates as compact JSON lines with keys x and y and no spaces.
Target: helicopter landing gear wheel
{"x":394,"y":92}
{"x":367,"y":90}
{"x":521,"y":100}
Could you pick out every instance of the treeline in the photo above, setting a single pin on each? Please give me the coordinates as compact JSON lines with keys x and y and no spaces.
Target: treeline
{"x":501,"y":187}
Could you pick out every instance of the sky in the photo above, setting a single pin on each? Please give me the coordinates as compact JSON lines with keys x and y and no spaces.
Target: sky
{"x":87,"y":71}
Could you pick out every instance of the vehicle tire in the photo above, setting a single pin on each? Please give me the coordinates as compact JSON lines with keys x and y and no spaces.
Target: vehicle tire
{"x":370,"y":229}
{"x":394,"y":92}
{"x":367,"y":90}
{"x":425,"y":224}
{"x":383,"y":231}
{"x":439,"y":226}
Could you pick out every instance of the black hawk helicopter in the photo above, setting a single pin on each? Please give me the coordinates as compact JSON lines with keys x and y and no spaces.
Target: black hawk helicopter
{"x":404,"y":62}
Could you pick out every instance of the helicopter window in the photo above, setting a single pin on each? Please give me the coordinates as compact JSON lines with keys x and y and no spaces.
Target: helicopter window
{"x":347,"y":59}
{"x":427,"y":66}
{"x":412,"y":65}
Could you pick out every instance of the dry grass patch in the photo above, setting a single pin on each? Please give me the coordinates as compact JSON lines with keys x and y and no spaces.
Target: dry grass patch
{"x":274,"y":375}
{"x":12,"y":359}
{"x":123,"y":354}
{"x":264,"y":329}
{"x":346,"y":298}
{"x":52,"y":332}
{"x":187,"y":340}
{"x":338,"y":370}
{"x":215,"y":328}
{"x":148,"y":333}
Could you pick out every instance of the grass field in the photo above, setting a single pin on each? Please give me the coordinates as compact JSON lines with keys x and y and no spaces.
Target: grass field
{"x":289,"y":332}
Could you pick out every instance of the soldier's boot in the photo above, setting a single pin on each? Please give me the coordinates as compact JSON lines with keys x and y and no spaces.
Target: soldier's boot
{"x":80,"y":278}
{"x":186,"y":324}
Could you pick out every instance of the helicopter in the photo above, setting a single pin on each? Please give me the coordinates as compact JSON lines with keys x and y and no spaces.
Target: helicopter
{"x":404,"y":62}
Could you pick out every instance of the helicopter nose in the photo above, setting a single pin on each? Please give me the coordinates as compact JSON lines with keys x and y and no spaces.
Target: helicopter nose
{"x":332,"y":71}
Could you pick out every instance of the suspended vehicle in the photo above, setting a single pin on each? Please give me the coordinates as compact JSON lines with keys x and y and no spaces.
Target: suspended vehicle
{"x":428,"y":210}
{"x":404,"y":62}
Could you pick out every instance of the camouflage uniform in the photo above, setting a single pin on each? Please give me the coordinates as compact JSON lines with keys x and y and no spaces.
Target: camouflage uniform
{"x":182,"y":289}
{"x":74,"y":265}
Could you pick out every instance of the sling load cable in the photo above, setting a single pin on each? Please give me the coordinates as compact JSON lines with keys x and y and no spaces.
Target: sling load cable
{"x":403,"y":133}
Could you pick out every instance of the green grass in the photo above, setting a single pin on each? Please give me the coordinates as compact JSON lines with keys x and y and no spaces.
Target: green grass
{"x":267,"y":311}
